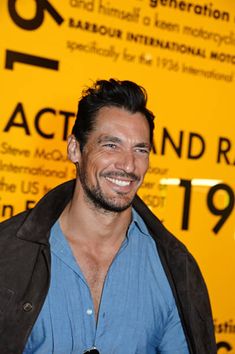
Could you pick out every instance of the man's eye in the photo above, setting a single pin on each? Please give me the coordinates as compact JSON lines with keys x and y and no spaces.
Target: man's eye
{"x":110,"y":146}
{"x":142,"y":150}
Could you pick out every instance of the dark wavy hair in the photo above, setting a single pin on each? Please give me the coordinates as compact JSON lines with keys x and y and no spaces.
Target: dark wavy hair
{"x":109,"y":93}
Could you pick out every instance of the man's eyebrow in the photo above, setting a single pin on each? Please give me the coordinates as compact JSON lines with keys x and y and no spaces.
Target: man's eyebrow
{"x":105,"y":138}
{"x":115,"y":139}
{"x":143,"y":145}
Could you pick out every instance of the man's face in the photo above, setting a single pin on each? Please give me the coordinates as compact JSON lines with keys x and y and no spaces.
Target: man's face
{"x":115,"y":159}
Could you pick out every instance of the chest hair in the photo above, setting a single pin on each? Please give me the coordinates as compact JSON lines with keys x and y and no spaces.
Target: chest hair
{"x":94,"y":268}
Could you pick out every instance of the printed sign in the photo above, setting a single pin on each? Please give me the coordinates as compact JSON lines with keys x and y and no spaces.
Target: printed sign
{"x":183,"y":53}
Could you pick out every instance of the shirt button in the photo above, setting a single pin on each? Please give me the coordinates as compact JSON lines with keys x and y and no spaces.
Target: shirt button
{"x":27,"y":306}
{"x":89,"y":312}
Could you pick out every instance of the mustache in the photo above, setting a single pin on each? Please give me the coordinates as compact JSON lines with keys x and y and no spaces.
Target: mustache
{"x":123,"y":174}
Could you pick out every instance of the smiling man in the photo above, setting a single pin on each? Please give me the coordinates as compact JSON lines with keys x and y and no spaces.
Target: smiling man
{"x":90,"y":269}
{"x":114,"y":161}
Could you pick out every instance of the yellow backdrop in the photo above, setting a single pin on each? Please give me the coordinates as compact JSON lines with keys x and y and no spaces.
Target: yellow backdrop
{"x":183,"y":53}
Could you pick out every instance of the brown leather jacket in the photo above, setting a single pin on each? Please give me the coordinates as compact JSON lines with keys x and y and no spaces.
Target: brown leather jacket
{"x":25,"y":273}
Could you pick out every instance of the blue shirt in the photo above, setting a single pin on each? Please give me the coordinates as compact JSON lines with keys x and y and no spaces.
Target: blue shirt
{"x":137,"y":313}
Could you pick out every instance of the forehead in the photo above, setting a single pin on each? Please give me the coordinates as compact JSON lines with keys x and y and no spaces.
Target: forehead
{"x":119,"y":121}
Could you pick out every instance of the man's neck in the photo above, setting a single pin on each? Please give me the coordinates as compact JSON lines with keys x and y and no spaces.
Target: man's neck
{"x":93,"y":226}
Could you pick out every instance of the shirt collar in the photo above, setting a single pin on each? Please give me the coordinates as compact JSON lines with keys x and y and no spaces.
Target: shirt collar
{"x":59,"y":244}
{"x":138,"y":222}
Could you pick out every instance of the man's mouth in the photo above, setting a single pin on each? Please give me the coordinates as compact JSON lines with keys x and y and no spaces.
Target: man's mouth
{"x":119,"y":182}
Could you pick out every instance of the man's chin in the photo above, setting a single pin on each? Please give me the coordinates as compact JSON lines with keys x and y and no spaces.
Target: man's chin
{"x":114,"y":204}
{"x":110,"y":202}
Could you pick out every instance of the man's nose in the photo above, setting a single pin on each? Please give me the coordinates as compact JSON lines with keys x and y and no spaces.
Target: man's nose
{"x":126,"y":161}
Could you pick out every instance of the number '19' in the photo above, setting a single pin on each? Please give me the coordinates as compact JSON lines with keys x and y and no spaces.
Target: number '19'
{"x":224,"y":212}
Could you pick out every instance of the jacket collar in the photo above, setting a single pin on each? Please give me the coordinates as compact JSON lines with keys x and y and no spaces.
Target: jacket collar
{"x":42,"y":217}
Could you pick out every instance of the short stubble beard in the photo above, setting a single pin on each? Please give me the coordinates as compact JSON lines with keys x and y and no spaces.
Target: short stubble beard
{"x":97,"y":198}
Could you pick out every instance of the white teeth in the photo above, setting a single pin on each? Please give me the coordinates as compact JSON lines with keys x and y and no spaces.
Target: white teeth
{"x":118,"y":182}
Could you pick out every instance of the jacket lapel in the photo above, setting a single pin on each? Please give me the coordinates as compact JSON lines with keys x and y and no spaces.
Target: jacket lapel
{"x":42,"y":217}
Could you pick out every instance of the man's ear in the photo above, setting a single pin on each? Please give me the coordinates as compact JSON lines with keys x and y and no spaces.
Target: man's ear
{"x":73,"y":149}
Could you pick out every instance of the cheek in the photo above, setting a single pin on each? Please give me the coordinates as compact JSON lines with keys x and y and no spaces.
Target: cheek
{"x":143,"y":166}
{"x":98,"y":162}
